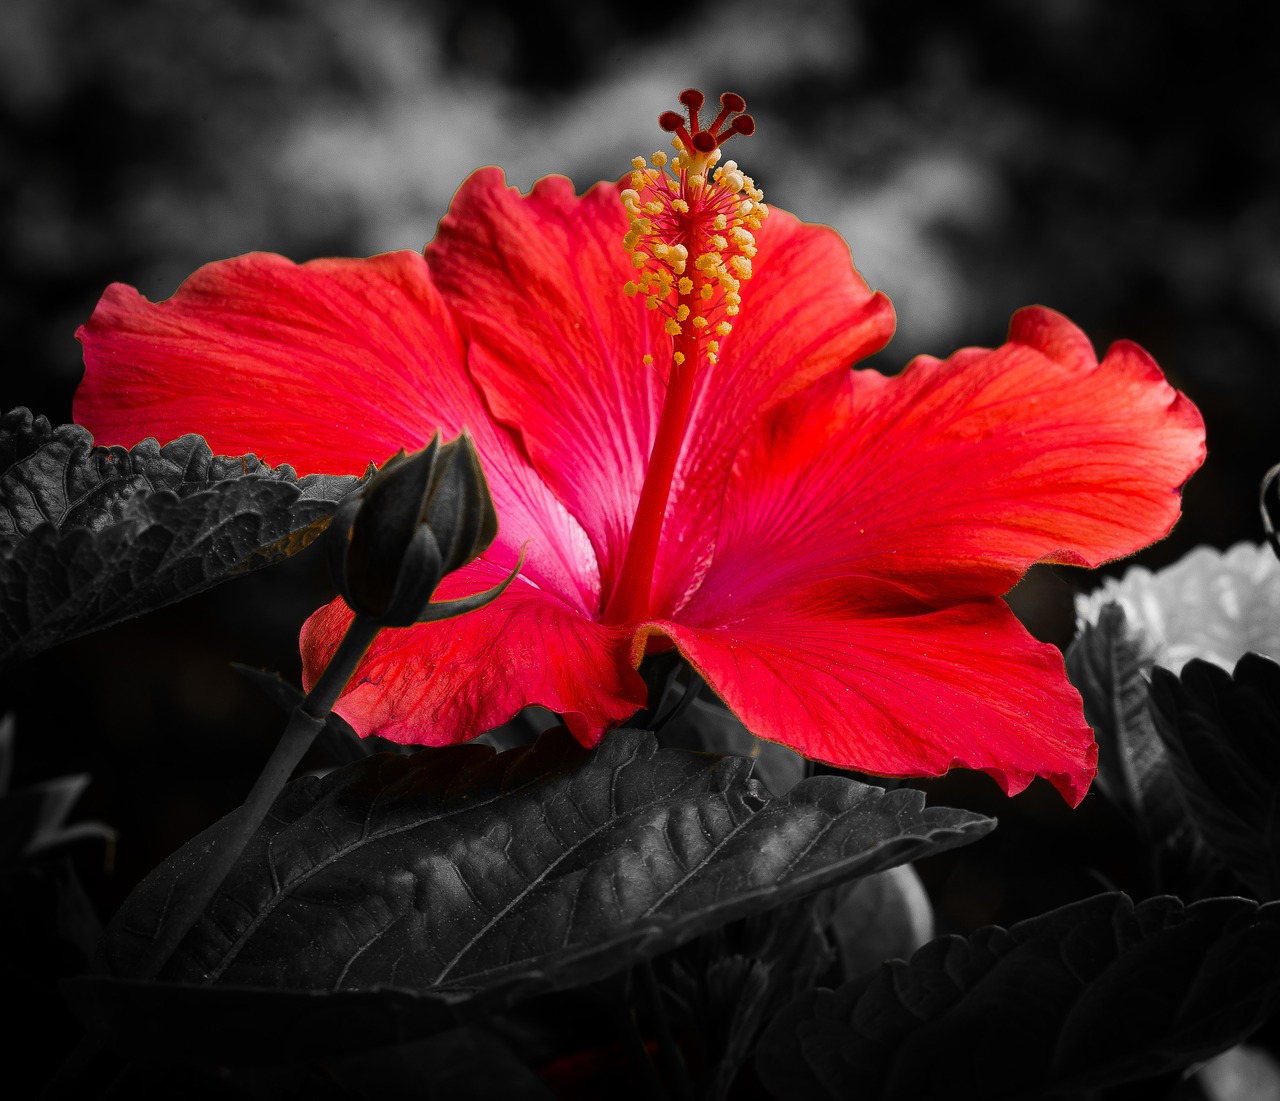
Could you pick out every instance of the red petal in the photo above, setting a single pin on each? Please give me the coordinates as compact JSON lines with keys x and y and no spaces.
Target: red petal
{"x":446,"y":682}
{"x":326,"y":366}
{"x":954,"y":477}
{"x":536,"y":281}
{"x":890,"y":689}
{"x":806,"y":313}
{"x":559,"y":348}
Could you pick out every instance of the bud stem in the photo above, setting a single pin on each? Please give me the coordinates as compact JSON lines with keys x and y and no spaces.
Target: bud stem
{"x":306,"y":721}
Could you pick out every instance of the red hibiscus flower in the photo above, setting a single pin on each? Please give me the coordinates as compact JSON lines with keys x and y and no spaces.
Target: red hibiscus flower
{"x":673,"y":430}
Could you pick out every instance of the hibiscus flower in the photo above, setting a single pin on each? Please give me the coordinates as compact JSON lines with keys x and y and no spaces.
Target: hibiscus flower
{"x":658,"y":379}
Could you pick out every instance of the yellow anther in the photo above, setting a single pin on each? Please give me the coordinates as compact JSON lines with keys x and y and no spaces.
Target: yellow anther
{"x":679,"y":358}
{"x":692,"y":211}
{"x":648,"y":361}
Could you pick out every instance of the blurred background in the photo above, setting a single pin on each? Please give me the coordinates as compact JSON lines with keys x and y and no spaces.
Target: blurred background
{"x":1117,"y":161}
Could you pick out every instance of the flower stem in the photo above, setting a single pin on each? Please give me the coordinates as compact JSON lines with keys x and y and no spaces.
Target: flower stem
{"x":306,"y":721}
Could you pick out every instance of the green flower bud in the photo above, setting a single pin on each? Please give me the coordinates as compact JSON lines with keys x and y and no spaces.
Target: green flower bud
{"x":394,"y":538}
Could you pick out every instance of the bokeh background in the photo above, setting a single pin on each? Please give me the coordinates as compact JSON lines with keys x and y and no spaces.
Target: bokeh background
{"x":1118,"y":161}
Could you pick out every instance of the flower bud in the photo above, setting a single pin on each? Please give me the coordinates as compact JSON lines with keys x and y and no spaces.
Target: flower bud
{"x":421,"y":516}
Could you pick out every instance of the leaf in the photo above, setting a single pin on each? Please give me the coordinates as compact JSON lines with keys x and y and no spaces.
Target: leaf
{"x":33,"y":820}
{"x":1093,"y":994}
{"x":468,"y":880}
{"x":708,"y":726}
{"x":721,"y":987}
{"x":90,"y":536}
{"x":1222,"y":731}
{"x":1110,"y":664}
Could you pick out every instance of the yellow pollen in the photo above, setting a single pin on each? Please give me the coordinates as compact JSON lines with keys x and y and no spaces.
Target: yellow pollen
{"x":648,"y":361}
{"x":690,"y":223}
{"x":679,"y":358}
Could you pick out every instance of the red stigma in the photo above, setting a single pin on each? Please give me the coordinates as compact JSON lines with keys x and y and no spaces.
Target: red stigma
{"x":703,"y":141}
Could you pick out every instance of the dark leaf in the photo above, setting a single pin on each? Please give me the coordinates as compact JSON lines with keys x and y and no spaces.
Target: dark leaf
{"x":91,"y":535}
{"x":1110,"y":664}
{"x":472,"y":880}
{"x":707,"y":726}
{"x":1222,"y":731}
{"x":721,"y":987}
{"x":1096,"y":993}
{"x":33,"y":820}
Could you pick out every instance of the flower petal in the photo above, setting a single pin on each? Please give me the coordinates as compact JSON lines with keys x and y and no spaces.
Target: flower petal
{"x":446,"y":682}
{"x":863,"y":677}
{"x":806,"y":314}
{"x":536,"y":281}
{"x":558,"y":349}
{"x":955,"y":476}
{"x":327,"y":366}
